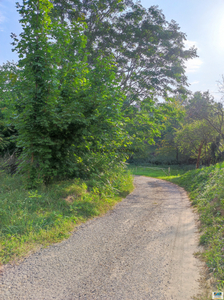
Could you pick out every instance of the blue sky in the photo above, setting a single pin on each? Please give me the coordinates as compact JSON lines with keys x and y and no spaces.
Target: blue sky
{"x":201,"y":20}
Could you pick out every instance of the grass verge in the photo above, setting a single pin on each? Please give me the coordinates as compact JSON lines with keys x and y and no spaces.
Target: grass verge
{"x":36,"y":218}
{"x":159,"y":171}
{"x":206,"y":190}
{"x":205,"y":187}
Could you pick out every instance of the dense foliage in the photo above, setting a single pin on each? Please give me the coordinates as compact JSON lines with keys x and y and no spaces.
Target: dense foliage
{"x":194,"y":134}
{"x":34,"y":218}
{"x":148,"y":50}
{"x":67,"y":113}
{"x":9,"y":74}
{"x":84,"y":94}
{"x":149,"y":54}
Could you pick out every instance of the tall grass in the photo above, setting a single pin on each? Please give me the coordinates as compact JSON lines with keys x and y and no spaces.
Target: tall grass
{"x":30,"y":219}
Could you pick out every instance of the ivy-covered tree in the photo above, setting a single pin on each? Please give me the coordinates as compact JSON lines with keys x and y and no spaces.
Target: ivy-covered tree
{"x":66,"y":112}
{"x":44,"y":111}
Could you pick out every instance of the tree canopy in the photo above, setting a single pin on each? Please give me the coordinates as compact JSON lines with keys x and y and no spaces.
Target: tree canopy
{"x":149,"y":51}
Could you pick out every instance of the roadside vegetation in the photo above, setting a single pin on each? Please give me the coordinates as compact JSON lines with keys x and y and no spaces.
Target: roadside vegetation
{"x":30,"y":219}
{"x":205,"y":188}
{"x":80,"y":100}
{"x":84,"y":98}
{"x":206,"y":192}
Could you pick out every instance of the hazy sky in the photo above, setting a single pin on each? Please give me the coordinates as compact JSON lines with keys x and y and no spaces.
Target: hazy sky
{"x":201,"y":20}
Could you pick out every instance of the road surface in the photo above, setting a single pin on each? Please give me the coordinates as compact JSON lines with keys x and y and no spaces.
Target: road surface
{"x":143,"y":249}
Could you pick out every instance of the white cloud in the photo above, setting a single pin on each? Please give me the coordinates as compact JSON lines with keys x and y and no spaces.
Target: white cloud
{"x":194,"y":82}
{"x":193,"y":65}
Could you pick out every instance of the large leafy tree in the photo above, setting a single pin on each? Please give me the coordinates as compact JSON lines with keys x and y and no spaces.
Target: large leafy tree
{"x":149,"y":51}
{"x":195,"y":139}
{"x":43,"y":113}
{"x":202,"y":106}
{"x":66,"y":111}
{"x":99,"y":145}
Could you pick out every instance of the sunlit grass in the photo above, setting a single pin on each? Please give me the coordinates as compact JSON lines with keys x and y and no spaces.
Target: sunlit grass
{"x":30,"y":219}
{"x":160,"y":171}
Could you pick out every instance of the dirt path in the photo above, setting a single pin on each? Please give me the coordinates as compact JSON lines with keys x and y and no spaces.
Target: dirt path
{"x":143,"y":249}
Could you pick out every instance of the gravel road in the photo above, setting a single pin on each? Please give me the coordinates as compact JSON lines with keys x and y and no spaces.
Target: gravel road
{"x":143,"y":249}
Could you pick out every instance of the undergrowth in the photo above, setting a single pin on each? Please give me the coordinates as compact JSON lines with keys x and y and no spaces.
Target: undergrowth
{"x":30,"y":219}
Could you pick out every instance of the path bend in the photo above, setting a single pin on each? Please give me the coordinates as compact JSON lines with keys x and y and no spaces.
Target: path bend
{"x":143,"y":249}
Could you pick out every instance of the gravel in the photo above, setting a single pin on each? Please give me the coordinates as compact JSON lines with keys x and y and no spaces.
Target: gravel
{"x":143,"y":249}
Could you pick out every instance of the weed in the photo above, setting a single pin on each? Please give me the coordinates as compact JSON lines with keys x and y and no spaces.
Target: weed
{"x":35,"y":218}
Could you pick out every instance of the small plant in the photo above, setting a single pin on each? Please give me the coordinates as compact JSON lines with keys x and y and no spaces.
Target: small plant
{"x":34,"y":194}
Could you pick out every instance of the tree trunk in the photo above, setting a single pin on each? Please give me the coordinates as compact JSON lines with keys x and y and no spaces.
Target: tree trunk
{"x":199,"y":155}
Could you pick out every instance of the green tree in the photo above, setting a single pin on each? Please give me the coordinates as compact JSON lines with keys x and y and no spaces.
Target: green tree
{"x":143,"y":123}
{"x":149,"y":51}
{"x":167,"y":149}
{"x":100,"y":144}
{"x":202,"y":106}
{"x":9,"y":75}
{"x":67,"y":114}
{"x":50,"y":91}
{"x":195,"y":139}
